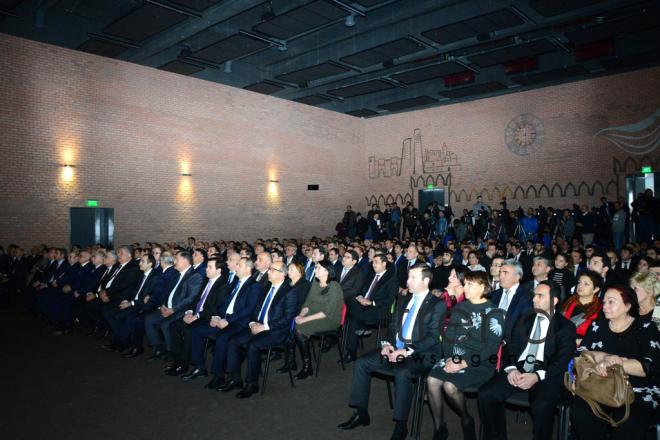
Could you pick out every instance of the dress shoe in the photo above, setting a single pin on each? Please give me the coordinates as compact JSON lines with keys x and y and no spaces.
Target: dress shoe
{"x":355,"y":421}
{"x":195,"y":374}
{"x":61,"y":331}
{"x":178,"y":371}
{"x":157,"y":355}
{"x":275,"y":355}
{"x":469,"y":428}
{"x":103,"y":335}
{"x":134,"y":352}
{"x":171,"y":367}
{"x":348,"y":359}
{"x":399,"y":434}
{"x":441,"y":433}
{"x":327,"y":346}
{"x":110,"y":347}
{"x":169,"y":358}
{"x":359,"y":332}
{"x":217,"y":382}
{"x":248,"y":390}
{"x":366,"y":333}
{"x":231,"y":385}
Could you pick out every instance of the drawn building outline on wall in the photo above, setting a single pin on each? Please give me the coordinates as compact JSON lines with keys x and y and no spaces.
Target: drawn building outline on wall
{"x":414,"y":159}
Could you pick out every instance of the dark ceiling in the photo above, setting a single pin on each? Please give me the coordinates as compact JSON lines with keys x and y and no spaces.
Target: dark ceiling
{"x":361,"y":57}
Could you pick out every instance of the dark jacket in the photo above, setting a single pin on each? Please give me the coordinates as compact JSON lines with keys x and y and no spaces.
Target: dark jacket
{"x":185,"y":292}
{"x":521,"y":303}
{"x":161,"y":289}
{"x":122,"y":285}
{"x":425,"y":338}
{"x":282,"y":310}
{"x":352,"y":283}
{"x":385,"y":291}
{"x":244,"y":305}
{"x":87,"y":282}
{"x":147,"y":289}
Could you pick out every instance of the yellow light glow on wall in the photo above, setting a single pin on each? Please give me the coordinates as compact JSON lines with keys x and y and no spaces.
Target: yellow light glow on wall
{"x":185,"y":187}
{"x":185,"y":167}
{"x":272,"y":189}
{"x":67,"y":173}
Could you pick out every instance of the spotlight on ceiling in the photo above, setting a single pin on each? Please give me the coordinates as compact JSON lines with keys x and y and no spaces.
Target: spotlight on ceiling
{"x":185,"y":51}
{"x":268,"y":13}
{"x":350,"y":21}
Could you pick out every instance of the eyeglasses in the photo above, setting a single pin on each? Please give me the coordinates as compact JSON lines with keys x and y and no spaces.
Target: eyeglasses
{"x":276,"y":270}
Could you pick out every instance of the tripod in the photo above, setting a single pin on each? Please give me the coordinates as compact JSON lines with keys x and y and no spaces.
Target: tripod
{"x":523,"y":234}
{"x":559,"y":230}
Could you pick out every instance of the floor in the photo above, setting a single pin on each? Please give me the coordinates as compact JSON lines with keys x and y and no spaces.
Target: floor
{"x":66,"y":387}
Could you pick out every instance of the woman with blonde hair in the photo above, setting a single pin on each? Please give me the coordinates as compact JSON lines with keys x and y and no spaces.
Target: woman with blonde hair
{"x":647,"y":287}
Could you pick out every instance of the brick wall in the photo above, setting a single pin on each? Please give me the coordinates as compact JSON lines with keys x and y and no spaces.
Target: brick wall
{"x":572,"y":115}
{"x":131,"y":131}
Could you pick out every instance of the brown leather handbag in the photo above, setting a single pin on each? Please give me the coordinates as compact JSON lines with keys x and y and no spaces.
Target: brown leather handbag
{"x":613,"y":390}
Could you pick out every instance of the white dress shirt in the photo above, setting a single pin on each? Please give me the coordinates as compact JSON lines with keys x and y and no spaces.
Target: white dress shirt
{"x":171,"y":296}
{"x":545,"y":324}
{"x":270,"y":304}
{"x":144,"y":280}
{"x":509,"y":297}
{"x":208,"y":286}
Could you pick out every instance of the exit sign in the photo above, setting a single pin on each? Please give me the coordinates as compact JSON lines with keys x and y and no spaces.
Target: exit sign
{"x":430,"y":186}
{"x":92,"y":203}
{"x":646,"y":170}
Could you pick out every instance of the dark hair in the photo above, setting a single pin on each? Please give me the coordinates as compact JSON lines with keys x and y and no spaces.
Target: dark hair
{"x":646,"y":258}
{"x":629,"y":298}
{"x":476,"y":254}
{"x":354,"y":255}
{"x":595,"y":278}
{"x":555,"y":288}
{"x":381,"y":256}
{"x":603,"y":256}
{"x":217,"y":261}
{"x":187,"y":256}
{"x":481,"y":278}
{"x":249,"y":252}
{"x":204,"y":253}
{"x":332,"y":275}
{"x":277,"y":252}
{"x":193,"y":238}
{"x":62,"y":251}
{"x":460,"y":272}
{"x":150,"y":259}
{"x":426,"y":270}
{"x":321,"y":250}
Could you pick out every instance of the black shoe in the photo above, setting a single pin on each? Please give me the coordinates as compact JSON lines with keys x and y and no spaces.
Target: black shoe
{"x":348,"y":359}
{"x":93,"y":332}
{"x":216,"y":382}
{"x":134,"y":352}
{"x":178,"y":371}
{"x":195,"y":374}
{"x":249,"y":390}
{"x":399,"y":434}
{"x":61,"y":331}
{"x":441,"y":433}
{"x":157,"y":355}
{"x":359,"y":332}
{"x":103,"y":335}
{"x":366,"y":333}
{"x":231,"y":385}
{"x":327,"y":346}
{"x":354,"y":422}
{"x":469,"y":428}
{"x":110,"y":347}
{"x":169,"y":358}
{"x":290,"y":364}
{"x":306,"y":354}
{"x":275,"y":355}
{"x":171,"y":367}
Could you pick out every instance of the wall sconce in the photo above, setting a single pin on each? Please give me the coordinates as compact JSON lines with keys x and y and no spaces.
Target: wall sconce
{"x":186,"y":174}
{"x":67,"y":172}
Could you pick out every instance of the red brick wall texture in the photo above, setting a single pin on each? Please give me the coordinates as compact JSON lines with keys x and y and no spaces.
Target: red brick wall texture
{"x":132,"y":131}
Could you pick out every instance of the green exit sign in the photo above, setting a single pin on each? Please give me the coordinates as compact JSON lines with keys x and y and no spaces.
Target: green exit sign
{"x":646,"y":170}
{"x":430,"y":186}
{"x":92,"y":203}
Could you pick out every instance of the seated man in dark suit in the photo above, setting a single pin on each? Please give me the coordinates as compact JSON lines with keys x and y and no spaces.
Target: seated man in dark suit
{"x":536,"y":362}
{"x":511,"y":297}
{"x":270,"y":324}
{"x":131,"y":324}
{"x":372,"y":303}
{"x":206,"y":303}
{"x":16,"y":272}
{"x":601,"y":263}
{"x":57,"y":268}
{"x":119,"y":288}
{"x":48,"y":303}
{"x":181,"y":294}
{"x":405,"y":265}
{"x":45,"y":295}
{"x":200,"y":257}
{"x":229,"y":318}
{"x":87,"y":280}
{"x":411,"y":351}
{"x":116,"y":314}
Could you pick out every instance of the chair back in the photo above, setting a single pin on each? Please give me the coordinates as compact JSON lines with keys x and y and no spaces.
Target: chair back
{"x":343,"y":314}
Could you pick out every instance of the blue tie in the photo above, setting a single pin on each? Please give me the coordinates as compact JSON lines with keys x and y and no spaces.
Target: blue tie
{"x":406,"y":325}
{"x":262,"y":315}
{"x":231,"y":278}
{"x":310,"y":276}
{"x":238,"y":286}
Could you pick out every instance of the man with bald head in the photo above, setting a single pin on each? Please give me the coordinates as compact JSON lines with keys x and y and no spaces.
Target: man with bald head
{"x":270,"y":324}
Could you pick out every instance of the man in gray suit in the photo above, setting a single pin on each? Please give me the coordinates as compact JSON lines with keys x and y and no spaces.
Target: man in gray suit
{"x":181,"y":294}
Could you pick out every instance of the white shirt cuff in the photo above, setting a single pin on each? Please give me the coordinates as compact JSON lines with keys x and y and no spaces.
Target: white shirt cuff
{"x":266,"y":327}
{"x":187,"y":312}
{"x":507,"y":369}
{"x":541,"y":374}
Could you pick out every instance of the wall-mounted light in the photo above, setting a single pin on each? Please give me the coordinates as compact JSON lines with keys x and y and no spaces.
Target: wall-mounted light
{"x":186,"y":174}
{"x":67,"y":172}
{"x":275,"y":181}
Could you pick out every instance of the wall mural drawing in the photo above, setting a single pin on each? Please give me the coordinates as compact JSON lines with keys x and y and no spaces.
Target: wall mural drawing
{"x":640,"y":138}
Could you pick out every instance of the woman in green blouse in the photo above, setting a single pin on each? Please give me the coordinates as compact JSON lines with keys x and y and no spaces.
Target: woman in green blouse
{"x":320,"y":313}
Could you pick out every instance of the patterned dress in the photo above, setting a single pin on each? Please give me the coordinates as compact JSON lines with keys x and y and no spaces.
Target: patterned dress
{"x":641,"y":341}
{"x":474,"y":335}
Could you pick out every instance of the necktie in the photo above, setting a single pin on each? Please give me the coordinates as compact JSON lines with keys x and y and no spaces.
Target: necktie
{"x":259,"y":276}
{"x":343,"y":274}
{"x":504,"y":304}
{"x":236,"y":289}
{"x":231,"y":277}
{"x":262,"y":315}
{"x":406,"y":324}
{"x":140,"y":288}
{"x":117,"y":271}
{"x":373,"y":286}
{"x":534,"y":346}
{"x":310,"y":277}
{"x":201,"y":301}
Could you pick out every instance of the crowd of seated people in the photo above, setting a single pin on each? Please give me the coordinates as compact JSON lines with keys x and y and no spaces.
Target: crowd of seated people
{"x":433,"y":292}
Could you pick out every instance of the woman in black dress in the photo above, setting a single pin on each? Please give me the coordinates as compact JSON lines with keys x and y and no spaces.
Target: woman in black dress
{"x":469,"y":352}
{"x":621,"y":337}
